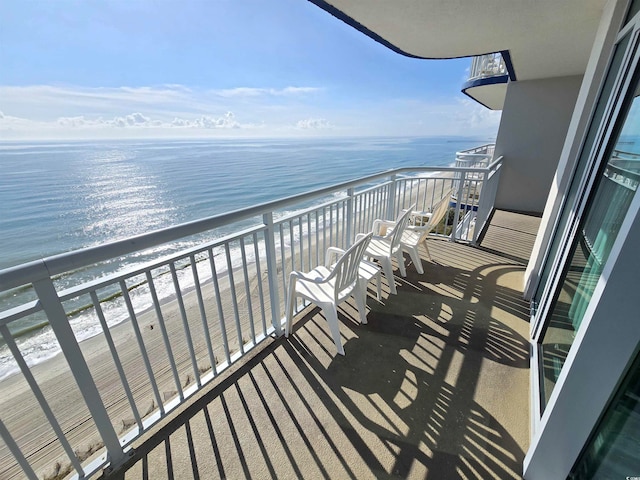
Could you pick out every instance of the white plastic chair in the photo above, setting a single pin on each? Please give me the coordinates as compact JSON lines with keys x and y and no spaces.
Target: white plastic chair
{"x":327,"y":288}
{"x":367,"y":271}
{"x":384,"y":248}
{"x":414,"y":236}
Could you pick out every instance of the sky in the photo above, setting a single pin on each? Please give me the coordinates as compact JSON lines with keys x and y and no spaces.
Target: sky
{"x":216,"y":68}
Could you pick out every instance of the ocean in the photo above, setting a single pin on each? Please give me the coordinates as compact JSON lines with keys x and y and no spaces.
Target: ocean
{"x":61,"y":196}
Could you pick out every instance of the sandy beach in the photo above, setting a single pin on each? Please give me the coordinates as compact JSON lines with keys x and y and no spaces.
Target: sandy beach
{"x":33,"y":433}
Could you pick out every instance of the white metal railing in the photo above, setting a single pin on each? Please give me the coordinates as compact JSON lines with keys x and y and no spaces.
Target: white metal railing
{"x":489,"y":65}
{"x":624,"y":155}
{"x":468,"y":190}
{"x":477,"y":157}
{"x":227,"y":296}
{"x":616,"y":191}
{"x":489,"y":185}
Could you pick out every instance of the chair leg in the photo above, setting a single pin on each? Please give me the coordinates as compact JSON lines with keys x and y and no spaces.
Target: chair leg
{"x":291,"y":298}
{"x":332,"y":319}
{"x":361,"y":302}
{"x":365,"y":286}
{"x":426,"y":247}
{"x":415,"y":257}
{"x":400,"y":260}
{"x":388,"y":272}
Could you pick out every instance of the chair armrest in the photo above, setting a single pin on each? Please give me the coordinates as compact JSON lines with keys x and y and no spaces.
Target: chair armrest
{"x":374,"y":237}
{"x":331,"y":251}
{"x":378,"y":224}
{"x":293,"y":276}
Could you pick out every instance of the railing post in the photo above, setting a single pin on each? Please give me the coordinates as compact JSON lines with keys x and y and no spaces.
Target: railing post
{"x":482,"y":206}
{"x":391,"y":201}
{"x":350,"y":225}
{"x":487,"y":197}
{"x":474,"y":67}
{"x":272,"y":269}
{"x":59,"y":322}
{"x":463,"y":177}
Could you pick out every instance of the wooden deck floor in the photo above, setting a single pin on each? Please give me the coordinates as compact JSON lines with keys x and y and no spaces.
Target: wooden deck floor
{"x":435,"y":385}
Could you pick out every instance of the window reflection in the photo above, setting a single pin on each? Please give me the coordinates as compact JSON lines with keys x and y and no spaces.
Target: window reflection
{"x":613,"y":450}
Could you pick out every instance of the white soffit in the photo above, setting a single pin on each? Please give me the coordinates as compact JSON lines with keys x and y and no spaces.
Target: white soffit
{"x":546,"y":38}
{"x":491,"y":96}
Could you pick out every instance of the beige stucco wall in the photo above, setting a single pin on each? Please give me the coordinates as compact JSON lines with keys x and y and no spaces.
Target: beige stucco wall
{"x":533,"y":128}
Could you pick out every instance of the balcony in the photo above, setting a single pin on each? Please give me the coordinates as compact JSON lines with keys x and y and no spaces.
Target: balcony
{"x":478,"y":157}
{"x":436,"y":383}
{"x":202,"y":385}
{"x":488,"y":78}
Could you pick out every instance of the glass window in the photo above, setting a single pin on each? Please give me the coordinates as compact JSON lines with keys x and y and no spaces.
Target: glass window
{"x":601,"y":222}
{"x":614,"y":448}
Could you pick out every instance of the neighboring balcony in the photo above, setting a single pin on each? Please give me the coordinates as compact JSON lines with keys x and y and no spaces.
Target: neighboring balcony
{"x":488,"y":78}
{"x":202,"y":385}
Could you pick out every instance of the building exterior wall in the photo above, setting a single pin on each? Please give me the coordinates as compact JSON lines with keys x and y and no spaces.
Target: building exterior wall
{"x":533,"y":128}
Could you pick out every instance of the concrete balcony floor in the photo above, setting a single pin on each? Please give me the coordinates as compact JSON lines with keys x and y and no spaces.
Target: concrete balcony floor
{"x":435,"y":385}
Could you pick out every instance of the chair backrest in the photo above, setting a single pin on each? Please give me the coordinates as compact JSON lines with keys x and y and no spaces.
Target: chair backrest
{"x":401,"y":224}
{"x":346,"y":269}
{"x":437,"y":214}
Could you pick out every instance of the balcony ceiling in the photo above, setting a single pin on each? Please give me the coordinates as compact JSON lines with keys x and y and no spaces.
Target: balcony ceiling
{"x":546,"y":38}
{"x":491,"y":96}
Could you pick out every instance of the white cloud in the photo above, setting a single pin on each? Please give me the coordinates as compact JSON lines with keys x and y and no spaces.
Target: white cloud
{"x":134,"y":120}
{"x":175,"y":110}
{"x":226,"y":121}
{"x":49,"y":102}
{"x":78,"y":121}
{"x":139,"y":120}
{"x":130,"y":125}
{"x":417,"y":117}
{"x":475,"y":116}
{"x":258,"y":92}
{"x":9,"y":122}
{"x":180,"y":122}
{"x":43,"y":102}
{"x":297,"y":90}
{"x":313,"y":124}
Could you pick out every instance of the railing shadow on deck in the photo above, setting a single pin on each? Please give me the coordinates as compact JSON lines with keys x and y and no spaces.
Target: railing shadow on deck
{"x":390,"y":408}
